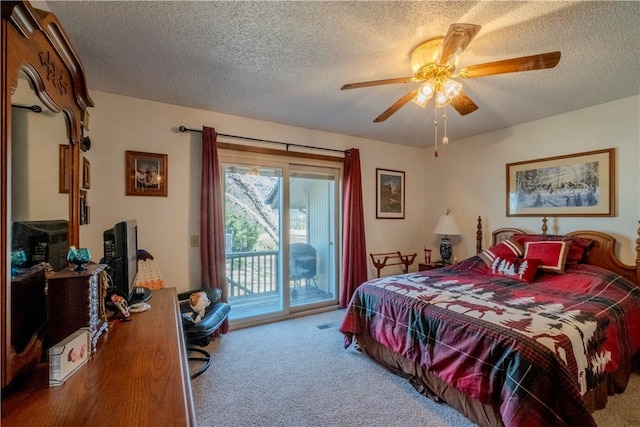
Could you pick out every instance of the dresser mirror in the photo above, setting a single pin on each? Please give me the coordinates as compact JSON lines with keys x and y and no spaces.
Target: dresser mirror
{"x":40,"y":68}
{"x":36,"y":136}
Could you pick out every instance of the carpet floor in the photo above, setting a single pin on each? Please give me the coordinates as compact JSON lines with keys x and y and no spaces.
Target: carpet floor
{"x":297,"y":373}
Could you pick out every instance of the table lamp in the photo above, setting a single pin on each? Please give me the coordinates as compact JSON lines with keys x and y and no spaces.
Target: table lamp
{"x":446,"y":227}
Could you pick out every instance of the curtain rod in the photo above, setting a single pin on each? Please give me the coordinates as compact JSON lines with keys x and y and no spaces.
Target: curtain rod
{"x":34,"y":108}
{"x":287,"y":144}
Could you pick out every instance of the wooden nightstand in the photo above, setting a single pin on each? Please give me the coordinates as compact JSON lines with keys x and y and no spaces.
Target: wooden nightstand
{"x":424,"y":267}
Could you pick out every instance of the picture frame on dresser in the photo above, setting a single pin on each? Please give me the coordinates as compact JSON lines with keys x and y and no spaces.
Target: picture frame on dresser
{"x":580,"y":184}
{"x":67,"y":356}
{"x":390,"y":194}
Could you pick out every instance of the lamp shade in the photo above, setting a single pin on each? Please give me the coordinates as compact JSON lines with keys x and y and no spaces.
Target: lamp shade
{"x":447,"y":226}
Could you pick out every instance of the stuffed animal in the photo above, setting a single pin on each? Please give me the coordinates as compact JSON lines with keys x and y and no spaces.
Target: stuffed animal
{"x":198,"y":302}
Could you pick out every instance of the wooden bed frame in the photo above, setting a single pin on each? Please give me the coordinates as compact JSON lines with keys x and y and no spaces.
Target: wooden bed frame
{"x":602,"y":254}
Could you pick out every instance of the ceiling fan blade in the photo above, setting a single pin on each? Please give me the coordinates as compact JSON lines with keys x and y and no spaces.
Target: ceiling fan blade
{"x":513,"y":65}
{"x":456,"y":41}
{"x":378,"y":83}
{"x":463,"y":104}
{"x":396,"y":106}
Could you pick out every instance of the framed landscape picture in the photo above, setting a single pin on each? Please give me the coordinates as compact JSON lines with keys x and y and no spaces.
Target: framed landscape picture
{"x":147,"y":174}
{"x":581,"y":184}
{"x":390,"y":194}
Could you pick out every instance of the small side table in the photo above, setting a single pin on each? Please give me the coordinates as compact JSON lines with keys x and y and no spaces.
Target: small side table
{"x":425,"y":267}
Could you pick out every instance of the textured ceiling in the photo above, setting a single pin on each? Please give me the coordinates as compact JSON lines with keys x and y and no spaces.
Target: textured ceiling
{"x":285,"y":62}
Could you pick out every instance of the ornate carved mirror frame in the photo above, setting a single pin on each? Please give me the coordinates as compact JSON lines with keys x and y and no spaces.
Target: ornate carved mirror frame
{"x":34,"y":42}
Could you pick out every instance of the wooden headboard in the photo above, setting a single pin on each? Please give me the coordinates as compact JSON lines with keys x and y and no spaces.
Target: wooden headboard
{"x":601,"y":253}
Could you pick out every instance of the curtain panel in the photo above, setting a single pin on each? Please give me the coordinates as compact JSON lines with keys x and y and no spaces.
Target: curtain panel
{"x":354,"y":251}
{"x":212,"y":246}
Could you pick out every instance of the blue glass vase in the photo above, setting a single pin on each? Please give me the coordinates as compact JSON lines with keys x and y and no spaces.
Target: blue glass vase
{"x":79,"y":257}
{"x":18,"y":260}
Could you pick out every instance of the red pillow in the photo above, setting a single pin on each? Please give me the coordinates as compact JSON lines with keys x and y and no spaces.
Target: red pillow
{"x":577,"y":249}
{"x":506,"y":249}
{"x":516,"y":268}
{"x":552,"y":254}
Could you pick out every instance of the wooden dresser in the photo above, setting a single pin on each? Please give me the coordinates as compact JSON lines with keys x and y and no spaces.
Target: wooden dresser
{"x":138,"y":376}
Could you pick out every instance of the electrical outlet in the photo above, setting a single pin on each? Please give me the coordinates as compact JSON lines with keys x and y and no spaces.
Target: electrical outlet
{"x":195,"y":241}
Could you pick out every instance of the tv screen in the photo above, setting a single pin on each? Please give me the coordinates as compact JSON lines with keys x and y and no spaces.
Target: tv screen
{"x":121,"y":254}
{"x":42,"y":241}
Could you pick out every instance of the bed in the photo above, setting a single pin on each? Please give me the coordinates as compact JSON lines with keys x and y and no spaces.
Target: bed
{"x":535,"y":330}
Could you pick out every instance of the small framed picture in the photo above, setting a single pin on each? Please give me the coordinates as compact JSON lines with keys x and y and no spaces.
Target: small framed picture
{"x":66,"y":357}
{"x":84,"y":207}
{"x":64,"y":168}
{"x":86,"y":173}
{"x":146,"y":174}
{"x":389,"y":194}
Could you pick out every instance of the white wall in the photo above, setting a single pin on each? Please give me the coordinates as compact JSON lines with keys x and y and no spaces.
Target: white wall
{"x":472,"y":173}
{"x":468,"y":176}
{"x":120,"y":123}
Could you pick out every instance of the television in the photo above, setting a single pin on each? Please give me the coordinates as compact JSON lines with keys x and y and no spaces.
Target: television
{"x":121,"y":255}
{"x":42,"y":241}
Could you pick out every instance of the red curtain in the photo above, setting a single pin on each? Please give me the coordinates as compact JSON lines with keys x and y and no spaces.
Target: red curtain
{"x":212,"y":251}
{"x":354,"y":250}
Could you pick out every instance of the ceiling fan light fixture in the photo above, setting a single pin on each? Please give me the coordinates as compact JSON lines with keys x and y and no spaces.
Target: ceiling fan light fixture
{"x":420,"y":100}
{"x":434,"y":64}
{"x":425,"y":93}
{"x":442,"y":99}
{"x":451,"y":88}
{"x":428,"y":89}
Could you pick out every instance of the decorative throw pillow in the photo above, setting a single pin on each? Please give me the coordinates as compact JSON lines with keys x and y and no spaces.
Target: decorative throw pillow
{"x":552,"y":254}
{"x":577,"y":248}
{"x":506,"y":249}
{"x":516,"y":268}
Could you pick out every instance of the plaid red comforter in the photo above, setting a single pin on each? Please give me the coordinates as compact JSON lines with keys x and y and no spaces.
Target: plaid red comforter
{"x":530,"y":349}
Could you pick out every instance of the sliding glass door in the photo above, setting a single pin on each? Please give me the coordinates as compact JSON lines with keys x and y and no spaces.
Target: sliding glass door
{"x":281,"y":229}
{"x":253,"y":224}
{"x":312,"y":235}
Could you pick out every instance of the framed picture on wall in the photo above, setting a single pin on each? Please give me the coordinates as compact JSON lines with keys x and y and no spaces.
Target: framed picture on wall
{"x":390,"y":194}
{"x":146,"y":174}
{"x":86,"y":173}
{"x":581,"y":184}
{"x":64,"y":168}
{"x":84,"y":208}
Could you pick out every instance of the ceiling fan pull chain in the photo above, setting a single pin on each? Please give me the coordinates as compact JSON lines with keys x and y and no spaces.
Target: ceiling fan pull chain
{"x":435,"y":128}
{"x":445,"y":140}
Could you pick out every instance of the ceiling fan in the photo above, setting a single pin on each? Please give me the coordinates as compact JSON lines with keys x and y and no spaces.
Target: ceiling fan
{"x":434,"y":64}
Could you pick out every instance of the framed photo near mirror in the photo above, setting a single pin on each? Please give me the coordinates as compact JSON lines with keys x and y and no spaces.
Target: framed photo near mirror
{"x":86,"y":173}
{"x":65,"y":168}
{"x":84,"y":208}
{"x":146,"y":174}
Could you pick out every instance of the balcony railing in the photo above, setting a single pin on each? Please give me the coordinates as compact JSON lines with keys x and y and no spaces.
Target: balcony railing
{"x":252,"y":284}
{"x":251,"y":272}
